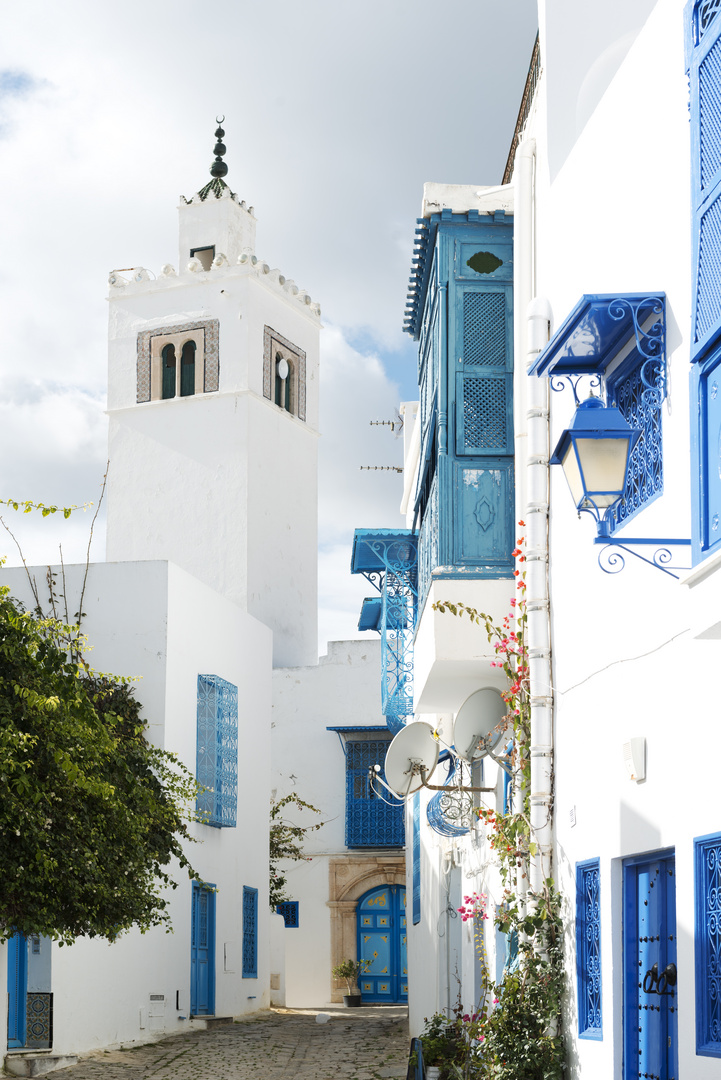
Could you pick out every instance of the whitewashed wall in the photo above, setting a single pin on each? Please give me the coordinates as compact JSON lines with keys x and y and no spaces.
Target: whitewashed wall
{"x":343,"y":689}
{"x":613,"y":216}
{"x":155,"y":621}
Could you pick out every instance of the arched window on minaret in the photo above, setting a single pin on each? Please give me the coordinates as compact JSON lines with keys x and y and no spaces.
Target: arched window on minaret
{"x":187,"y":369}
{"x":283,"y":381}
{"x":169,"y":366}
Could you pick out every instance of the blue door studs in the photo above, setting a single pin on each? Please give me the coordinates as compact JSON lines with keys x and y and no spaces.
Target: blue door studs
{"x":650,"y":989}
{"x":382,"y":944}
{"x":202,"y":951}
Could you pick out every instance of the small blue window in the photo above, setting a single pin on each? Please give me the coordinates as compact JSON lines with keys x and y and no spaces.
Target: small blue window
{"x":707,"y":872}
{"x":588,"y":948}
{"x":250,"y":933}
{"x":217,"y":755}
{"x":289,"y":910}
{"x":416,"y":858}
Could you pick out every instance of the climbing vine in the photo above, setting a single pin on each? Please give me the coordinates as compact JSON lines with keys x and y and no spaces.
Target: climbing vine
{"x":286,"y":842}
{"x":517,"y":1035}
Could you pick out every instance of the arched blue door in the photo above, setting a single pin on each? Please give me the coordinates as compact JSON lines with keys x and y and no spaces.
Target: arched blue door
{"x":382,"y":944}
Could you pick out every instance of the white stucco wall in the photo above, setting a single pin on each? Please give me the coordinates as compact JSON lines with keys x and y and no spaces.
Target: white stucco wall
{"x":343,"y":689}
{"x":155,"y":621}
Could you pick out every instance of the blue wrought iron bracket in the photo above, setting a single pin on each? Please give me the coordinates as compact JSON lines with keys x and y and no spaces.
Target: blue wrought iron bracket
{"x":559,"y":383}
{"x":612,"y":561}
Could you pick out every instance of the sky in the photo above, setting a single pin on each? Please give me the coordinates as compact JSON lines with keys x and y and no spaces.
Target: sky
{"x":336,"y":114}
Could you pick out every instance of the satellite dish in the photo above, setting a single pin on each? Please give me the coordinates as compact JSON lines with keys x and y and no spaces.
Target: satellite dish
{"x":474,"y":732}
{"x":412,"y":751}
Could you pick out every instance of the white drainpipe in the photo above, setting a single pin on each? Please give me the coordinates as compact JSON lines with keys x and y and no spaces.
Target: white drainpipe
{"x":531,"y":332}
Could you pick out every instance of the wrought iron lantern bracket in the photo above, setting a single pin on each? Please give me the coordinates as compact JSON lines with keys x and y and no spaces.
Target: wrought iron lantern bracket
{"x":612,"y":561}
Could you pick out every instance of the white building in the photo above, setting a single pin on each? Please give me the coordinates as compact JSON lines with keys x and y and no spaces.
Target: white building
{"x":615,"y":257}
{"x":210,"y":579}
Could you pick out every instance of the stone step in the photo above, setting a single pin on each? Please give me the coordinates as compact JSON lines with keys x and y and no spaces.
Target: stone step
{"x":36,"y":1062}
{"x":216,"y":1021}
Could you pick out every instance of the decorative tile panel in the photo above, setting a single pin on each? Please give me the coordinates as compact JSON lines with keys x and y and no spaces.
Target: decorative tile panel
{"x":212,"y":361}
{"x":217,"y":751}
{"x":274,"y":343}
{"x":39,"y":1021}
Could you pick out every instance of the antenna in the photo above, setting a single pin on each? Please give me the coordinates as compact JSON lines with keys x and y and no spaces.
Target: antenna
{"x":411,"y":759}
{"x":396,"y":425}
{"x":479,"y":724}
{"x":381,"y":468}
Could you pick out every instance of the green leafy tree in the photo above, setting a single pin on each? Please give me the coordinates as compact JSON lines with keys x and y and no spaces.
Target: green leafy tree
{"x":92,"y":815}
{"x":286,"y":842}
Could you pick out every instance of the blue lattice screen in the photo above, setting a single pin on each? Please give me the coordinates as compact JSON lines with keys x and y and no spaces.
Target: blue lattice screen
{"x":645,"y":472}
{"x":588,"y":948}
{"x":217,"y":754}
{"x":707,"y":853}
{"x":369,"y":822}
{"x":250,"y":933}
{"x":484,"y":329}
{"x":289,"y":910}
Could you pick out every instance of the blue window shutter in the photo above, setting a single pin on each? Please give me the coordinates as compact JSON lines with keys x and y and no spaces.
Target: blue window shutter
{"x":704,"y":37}
{"x":370,"y":822}
{"x":484,"y":373}
{"x":289,"y":910}
{"x":707,"y":875}
{"x":416,"y":811}
{"x":187,"y":369}
{"x":217,"y":751}
{"x":250,"y":933}
{"x":169,"y":364}
{"x":588,"y":948}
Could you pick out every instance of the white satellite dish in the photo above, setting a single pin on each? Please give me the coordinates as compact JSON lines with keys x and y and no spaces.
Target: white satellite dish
{"x":411,"y":758}
{"x":474,"y":732}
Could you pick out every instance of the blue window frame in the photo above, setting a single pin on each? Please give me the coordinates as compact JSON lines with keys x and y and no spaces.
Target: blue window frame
{"x":707,"y":874}
{"x":289,"y":910}
{"x":416,"y":871}
{"x":250,"y":933}
{"x":217,"y":753}
{"x":370,"y":821}
{"x":588,"y":948}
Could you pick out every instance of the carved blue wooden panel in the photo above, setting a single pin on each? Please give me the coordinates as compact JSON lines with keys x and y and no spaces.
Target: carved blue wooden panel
{"x":416,"y":856}
{"x":588,"y":948}
{"x":370,"y":822}
{"x":250,"y":933}
{"x":707,"y":874}
{"x":483,"y":513}
{"x":217,"y":752}
{"x":289,"y":909}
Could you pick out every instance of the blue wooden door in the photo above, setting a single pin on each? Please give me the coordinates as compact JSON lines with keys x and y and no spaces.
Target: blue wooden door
{"x":650,"y":990}
{"x":17,"y":989}
{"x":202,"y":952}
{"x":382,"y":944}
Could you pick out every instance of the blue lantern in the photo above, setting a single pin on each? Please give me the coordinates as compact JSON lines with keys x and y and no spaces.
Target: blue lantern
{"x":594,"y":452}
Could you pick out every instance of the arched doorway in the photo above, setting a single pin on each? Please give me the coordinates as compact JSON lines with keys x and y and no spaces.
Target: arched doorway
{"x":381,"y":918}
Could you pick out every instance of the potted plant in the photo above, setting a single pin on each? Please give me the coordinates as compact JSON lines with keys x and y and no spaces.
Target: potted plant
{"x":443,"y":1047}
{"x":349,"y":970}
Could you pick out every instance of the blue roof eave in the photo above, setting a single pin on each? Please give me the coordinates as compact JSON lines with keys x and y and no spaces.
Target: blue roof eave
{"x":364,"y":560}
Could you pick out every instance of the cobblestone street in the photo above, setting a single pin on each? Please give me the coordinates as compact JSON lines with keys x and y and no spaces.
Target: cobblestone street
{"x":355,"y":1044}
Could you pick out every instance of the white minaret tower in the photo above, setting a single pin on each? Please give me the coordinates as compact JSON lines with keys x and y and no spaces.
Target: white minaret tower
{"x":213,"y":405}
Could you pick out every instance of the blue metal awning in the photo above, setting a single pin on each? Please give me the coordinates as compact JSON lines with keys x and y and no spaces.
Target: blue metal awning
{"x":599,"y":327}
{"x":366,"y":557}
{"x":370,"y":615}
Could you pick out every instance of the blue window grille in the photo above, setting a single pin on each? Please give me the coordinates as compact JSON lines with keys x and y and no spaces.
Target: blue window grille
{"x":588,"y":948}
{"x":289,"y":910}
{"x":626,"y":390}
{"x":707,"y":872}
{"x":369,"y":822}
{"x":250,"y":933}
{"x":217,"y":754}
{"x":416,"y":871}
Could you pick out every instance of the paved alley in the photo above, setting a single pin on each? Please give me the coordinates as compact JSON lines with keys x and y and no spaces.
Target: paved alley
{"x":355,"y":1044}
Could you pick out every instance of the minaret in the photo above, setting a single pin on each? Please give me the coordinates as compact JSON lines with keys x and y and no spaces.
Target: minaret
{"x":213,"y":406}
